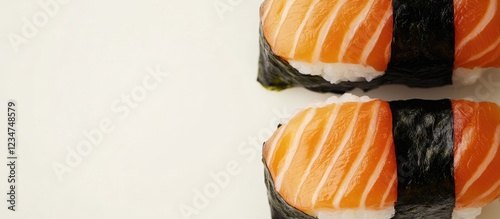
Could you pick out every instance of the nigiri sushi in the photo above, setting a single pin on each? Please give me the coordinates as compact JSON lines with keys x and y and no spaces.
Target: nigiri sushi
{"x":356,"y":157}
{"x":338,"y":45}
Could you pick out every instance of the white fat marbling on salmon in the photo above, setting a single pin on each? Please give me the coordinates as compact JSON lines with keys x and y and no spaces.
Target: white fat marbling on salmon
{"x":325,"y":29}
{"x":266,"y":12}
{"x":376,"y":173}
{"x":488,"y":16}
{"x":284,"y":15}
{"x":274,"y":144}
{"x":301,"y":27}
{"x":293,"y":149}
{"x":337,"y":154}
{"x":364,"y":149}
{"x":376,"y":35}
{"x":319,"y":148}
{"x":353,"y":28}
{"x":490,"y":48}
{"x":463,"y":146}
{"x":388,"y":190}
{"x":486,"y":162}
{"x":493,"y":189}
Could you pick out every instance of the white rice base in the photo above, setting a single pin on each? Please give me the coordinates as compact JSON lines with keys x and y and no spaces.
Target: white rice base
{"x":340,"y":72}
{"x":466,"y":76}
{"x":345,"y":98}
{"x":466,"y":213}
{"x":387,"y":213}
{"x":337,"y":72}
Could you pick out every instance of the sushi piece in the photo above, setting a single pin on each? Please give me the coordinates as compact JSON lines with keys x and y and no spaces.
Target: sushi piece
{"x":339,"y":45}
{"x":356,"y":157}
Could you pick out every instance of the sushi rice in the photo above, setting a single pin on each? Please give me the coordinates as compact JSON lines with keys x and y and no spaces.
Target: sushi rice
{"x":340,"y":72}
{"x":337,"y":72}
{"x":465,"y":76}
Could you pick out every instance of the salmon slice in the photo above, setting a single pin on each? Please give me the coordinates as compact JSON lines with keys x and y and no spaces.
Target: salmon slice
{"x":477,"y":33}
{"x":335,"y":156}
{"x":329,"y":31}
{"x":366,"y":37}
{"x":477,"y":154}
{"x":360,"y":32}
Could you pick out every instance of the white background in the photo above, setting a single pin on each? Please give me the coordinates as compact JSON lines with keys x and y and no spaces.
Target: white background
{"x":206,"y":114}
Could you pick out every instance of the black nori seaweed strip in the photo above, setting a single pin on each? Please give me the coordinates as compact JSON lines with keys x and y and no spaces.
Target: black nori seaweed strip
{"x":423,"y":42}
{"x":423,"y":139}
{"x":279,"y":208}
{"x":422,"y":55}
